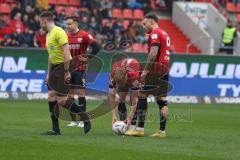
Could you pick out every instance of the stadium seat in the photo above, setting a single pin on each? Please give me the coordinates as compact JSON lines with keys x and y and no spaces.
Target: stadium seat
{"x":116,"y":13}
{"x":125,"y":24}
{"x":238,"y":8}
{"x":59,"y":9}
{"x":231,"y":7}
{"x":13,"y":5}
{"x":137,"y":47}
{"x":74,"y":3}
{"x":10,"y":1}
{"x":71,"y":11}
{"x":138,"y":14}
{"x":5,"y":8}
{"x":63,"y":2}
{"x":128,"y":14}
{"x":53,"y":2}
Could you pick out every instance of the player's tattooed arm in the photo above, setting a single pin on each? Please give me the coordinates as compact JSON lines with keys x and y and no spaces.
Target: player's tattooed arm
{"x":151,"y":58}
{"x":150,"y":62}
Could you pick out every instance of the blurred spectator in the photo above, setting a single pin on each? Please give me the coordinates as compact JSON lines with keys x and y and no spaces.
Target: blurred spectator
{"x":2,"y":22}
{"x":106,"y":6}
{"x":16,"y":24}
{"x":131,"y":32}
{"x":33,"y":23}
{"x":134,"y":4}
{"x":107,"y":31}
{"x":15,"y":10}
{"x":9,"y":41}
{"x":25,"y":38}
{"x":40,"y":39}
{"x":117,"y":27}
{"x":25,"y":19}
{"x":228,"y":35}
{"x":140,"y":36}
{"x":61,"y":17}
{"x":84,"y":23}
{"x":42,"y":4}
{"x":97,"y":16}
{"x":94,"y":25}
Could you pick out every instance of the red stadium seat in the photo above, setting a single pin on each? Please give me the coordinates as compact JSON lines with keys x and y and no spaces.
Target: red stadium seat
{"x":128,"y":13}
{"x":13,"y":5}
{"x":231,"y":7}
{"x":10,"y":1}
{"x":117,"y":13}
{"x":59,"y":9}
{"x":53,"y":2}
{"x":137,"y":47}
{"x":5,"y":8}
{"x":74,"y":3}
{"x":138,"y":14}
{"x":63,"y":2}
{"x":71,"y":11}
{"x":238,"y":8}
{"x":125,"y":24}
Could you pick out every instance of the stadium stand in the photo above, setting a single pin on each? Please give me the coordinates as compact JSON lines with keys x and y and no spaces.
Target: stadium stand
{"x":127,"y":15}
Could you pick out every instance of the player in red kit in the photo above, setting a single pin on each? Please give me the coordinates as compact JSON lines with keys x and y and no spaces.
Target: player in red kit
{"x":79,"y":41}
{"x":124,"y":78}
{"x":154,"y":77}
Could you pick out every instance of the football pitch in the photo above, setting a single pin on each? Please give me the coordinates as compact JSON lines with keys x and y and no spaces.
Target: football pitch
{"x":194,"y":132}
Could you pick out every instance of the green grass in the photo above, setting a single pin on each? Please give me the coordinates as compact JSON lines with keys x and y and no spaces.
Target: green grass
{"x":194,"y":132}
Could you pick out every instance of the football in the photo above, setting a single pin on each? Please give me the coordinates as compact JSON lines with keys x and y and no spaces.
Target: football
{"x":119,"y":127}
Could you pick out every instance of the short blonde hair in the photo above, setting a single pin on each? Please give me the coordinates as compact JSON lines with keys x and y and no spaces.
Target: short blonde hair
{"x":120,"y":75}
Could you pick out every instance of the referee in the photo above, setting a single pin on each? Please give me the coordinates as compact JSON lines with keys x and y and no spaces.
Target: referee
{"x":58,"y":76}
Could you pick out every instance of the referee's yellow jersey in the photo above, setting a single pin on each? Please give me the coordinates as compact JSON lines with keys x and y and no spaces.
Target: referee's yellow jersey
{"x":55,"y":39}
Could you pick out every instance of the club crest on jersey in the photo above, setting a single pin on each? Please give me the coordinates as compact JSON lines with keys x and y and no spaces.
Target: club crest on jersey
{"x":154,"y":36}
{"x":79,"y":40}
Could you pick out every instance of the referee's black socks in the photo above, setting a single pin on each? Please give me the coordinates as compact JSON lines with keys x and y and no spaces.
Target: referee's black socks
{"x":142,"y":111}
{"x":54,"y":114}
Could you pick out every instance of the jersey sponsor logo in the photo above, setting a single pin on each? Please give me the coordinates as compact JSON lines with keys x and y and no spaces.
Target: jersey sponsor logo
{"x":154,"y":36}
{"x":74,"y":46}
{"x":79,"y":40}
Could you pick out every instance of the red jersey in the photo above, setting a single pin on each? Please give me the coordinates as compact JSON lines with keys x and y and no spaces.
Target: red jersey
{"x":160,"y":38}
{"x":79,"y":43}
{"x":132,"y":68}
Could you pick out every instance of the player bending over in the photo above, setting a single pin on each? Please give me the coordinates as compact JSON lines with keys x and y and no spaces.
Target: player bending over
{"x":124,"y":78}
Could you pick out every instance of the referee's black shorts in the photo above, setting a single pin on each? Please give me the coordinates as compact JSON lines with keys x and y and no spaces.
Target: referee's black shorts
{"x":56,"y":80}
